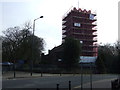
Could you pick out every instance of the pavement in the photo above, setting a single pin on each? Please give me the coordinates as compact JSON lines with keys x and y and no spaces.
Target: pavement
{"x":105,"y":83}
{"x":18,"y":74}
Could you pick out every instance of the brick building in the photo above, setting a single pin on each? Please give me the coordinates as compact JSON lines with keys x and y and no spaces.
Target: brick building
{"x":81,"y":24}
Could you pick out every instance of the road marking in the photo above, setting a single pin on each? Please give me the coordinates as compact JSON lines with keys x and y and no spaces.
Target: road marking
{"x":95,"y":82}
{"x":10,"y":79}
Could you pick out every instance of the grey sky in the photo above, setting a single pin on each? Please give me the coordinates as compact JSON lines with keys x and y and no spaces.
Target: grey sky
{"x":50,"y":27}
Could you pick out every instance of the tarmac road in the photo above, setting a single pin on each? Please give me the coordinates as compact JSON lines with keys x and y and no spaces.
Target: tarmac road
{"x":63,"y":81}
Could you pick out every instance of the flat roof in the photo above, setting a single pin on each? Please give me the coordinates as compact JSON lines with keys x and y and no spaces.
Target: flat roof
{"x":87,"y":59}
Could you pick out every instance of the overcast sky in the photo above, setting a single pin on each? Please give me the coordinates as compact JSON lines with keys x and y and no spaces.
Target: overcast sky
{"x":17,"y":12}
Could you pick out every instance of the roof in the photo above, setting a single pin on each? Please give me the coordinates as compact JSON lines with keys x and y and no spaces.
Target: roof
{"x":87,"y":59}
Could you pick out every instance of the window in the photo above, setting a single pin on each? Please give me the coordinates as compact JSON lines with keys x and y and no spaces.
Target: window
{"x":77,"y":24}
{"x":91,"y":17}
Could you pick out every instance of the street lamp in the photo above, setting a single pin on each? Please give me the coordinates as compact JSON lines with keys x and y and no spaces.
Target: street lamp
{"x":34,"y":24}
{"x":60,"y":60}
{"x":33,"y":43}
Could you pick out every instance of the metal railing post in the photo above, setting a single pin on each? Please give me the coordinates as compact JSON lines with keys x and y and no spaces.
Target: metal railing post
{"x":91,"y":76}
{"x":69,"y":85}
{"x":81,"y":77}
{"x":57,"y":86}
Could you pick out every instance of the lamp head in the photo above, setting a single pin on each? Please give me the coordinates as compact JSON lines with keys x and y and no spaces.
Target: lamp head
{"x":41,"y":16}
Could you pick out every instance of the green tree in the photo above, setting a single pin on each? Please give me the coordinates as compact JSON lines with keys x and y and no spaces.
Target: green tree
{"x":71,"y":52}
{"x":108,"y":57}
{"x":11,"y":42}
{"x":17,"y":44}
{"x":100,"y":65}
{"x":117,"y":45}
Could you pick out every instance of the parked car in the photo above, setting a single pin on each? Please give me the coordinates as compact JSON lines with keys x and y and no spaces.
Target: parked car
{"x":6,"y":66}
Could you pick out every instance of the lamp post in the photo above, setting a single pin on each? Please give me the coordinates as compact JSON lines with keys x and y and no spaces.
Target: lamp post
{"x":33,"y":43}
{"x":59,"y":60}
{"x":14,"y":68}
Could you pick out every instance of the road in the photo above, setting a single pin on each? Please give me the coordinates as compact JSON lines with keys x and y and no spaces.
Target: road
{"x":51,"y":81}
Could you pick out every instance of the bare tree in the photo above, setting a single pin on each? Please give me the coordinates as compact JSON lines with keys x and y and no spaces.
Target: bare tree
{"x":17,"y":44}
